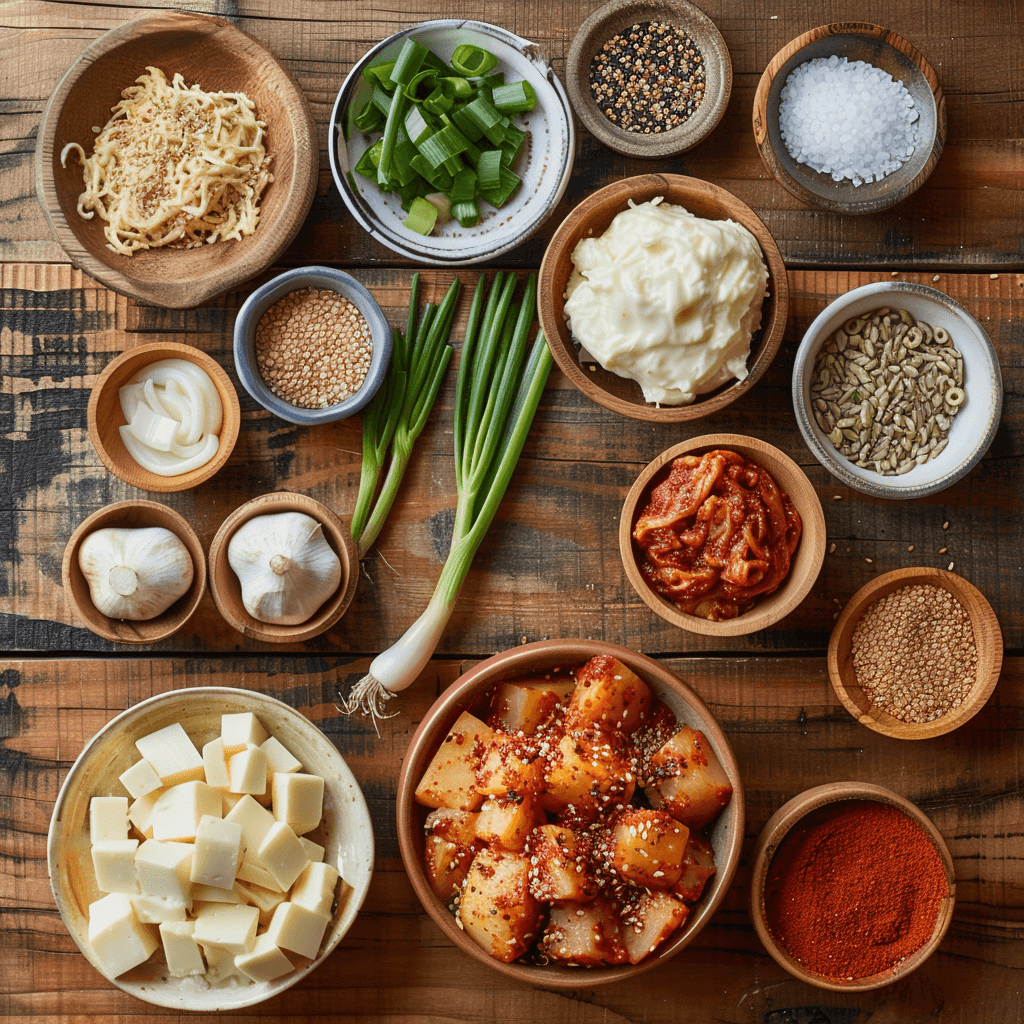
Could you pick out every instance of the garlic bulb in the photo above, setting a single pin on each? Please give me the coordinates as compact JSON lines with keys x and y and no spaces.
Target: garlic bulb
{"x":135,"y":574}
{"x":286,"y":567}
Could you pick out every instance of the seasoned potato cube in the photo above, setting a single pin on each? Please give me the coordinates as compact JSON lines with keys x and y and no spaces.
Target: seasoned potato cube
{"x":588,"y":775}
{"x":651,"y":919}
{"x":559,"y":862}
{"x":692,"y":786}
{"x":450,"y":778}
{"x":698,"y":867}
{"x":457,"y":827}
{"x":508,"y":822}
{"x":647,"y":847}
{"x":608,"y":695}
{"x":496,"y":908}
{"x":450,"y":847}
{"x":521,"y":705}
{"x":585,"y":934}
{"x":503,"y":771}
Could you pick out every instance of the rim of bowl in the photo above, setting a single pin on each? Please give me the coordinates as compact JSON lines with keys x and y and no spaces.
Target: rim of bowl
{"x":790,"y":814}
{"x":803,"y":366}
{"x":248,"y":317}
{"x":365,"y":825}
{"x":519,"y":659}
{"x":407,"y":247}
{"x":742,"y":624}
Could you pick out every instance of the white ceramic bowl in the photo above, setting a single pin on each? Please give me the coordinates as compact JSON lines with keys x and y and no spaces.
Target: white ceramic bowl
{"x":345,"y":832}
{"x":974,"y":426}
{"x":544,"y":164}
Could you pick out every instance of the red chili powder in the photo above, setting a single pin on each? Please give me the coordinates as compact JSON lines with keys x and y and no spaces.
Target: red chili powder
{"x":854,"y":889}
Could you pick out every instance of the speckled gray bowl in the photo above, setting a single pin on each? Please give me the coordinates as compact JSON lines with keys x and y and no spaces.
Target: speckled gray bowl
{"x":972,"y":429}
{"x":264,"y":297}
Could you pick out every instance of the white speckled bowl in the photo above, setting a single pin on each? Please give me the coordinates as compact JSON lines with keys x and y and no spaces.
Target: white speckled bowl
{"x":972,"y":429}
{"x":345,"y":832}
{"x":544,"y":164}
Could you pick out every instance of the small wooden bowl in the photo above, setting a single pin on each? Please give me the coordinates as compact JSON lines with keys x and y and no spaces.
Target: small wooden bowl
{"x":803,"y":569}
{"x":618,"y":15}
{"x":105,"y":416}
{"x":883,"y":49}
{"x":346,"y":832}
{"x":471,"y":692}
{"x":775,"y":831}
{"x":134,"y":515}
{"x":227,"y":591}
{"x":216,"y":55}
{"x":592,"y":217}
{"x":987,"y":636}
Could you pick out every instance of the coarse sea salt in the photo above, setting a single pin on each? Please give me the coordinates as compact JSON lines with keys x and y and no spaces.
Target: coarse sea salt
{"x":848,"y":119}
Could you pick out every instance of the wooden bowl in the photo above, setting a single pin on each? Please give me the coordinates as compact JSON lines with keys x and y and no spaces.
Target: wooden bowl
{"x":592,"y":217}
{"x":805,"y":564}
{"x":883,"y":49}
{"x":987,"y":636}
{"x":771,"y":837}
{"x":216,"y":55}
{"x":227,"y":591}
{"x":618,"y":15}
{"x":133,"y":515}
{"x":346,"y":832}
{"x":105,"y":416}
{"x":472,"y":691}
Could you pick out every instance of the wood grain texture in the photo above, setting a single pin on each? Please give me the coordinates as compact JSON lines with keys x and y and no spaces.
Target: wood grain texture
{"x":788,"y":732}
{"x":550,"y":565}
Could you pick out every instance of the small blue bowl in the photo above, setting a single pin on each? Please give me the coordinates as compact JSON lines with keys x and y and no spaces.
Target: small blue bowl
{"x":264,"y":297}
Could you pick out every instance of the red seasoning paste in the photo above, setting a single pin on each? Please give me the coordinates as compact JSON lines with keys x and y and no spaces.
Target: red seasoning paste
{"x":717,"y":533}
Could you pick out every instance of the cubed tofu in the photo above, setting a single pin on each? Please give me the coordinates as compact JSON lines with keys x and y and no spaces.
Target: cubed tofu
{"x":282,"y":855}
{"x":653,"y":917}
{"x":585,"y":934}
{"x":172,"y":754}
{"x":118,"y":938}
{"x":265,"y":962}
{"x":698,"y":867}
{"x":450,"y":778}
{"x":247,"y":771}
{"x":265,"y":900}
{"x":314,"y":888}
{"x":178,"y":810}
{"x":694,"y":787}
{"x":503,"y":771}
{"x":163,"y":869}
{"x":647,"y":847}
{"x":508,"y":822}
{"x":113,"y":861}
{"x":215,"y":894}
{"x":496,"y":909}
{"x":522,"y":705}
{"x":108,"y":818}
{"x":254,"y":872}
{"x":298,"y":929}
{"x":238,"y":731}
{"x":560,"y":865}
{"x":140,"y":813}
{"x":140,"y":779}
{"x":608,"y":695}
{"x":229,"y":926}
{"x":589,"y":775}
{"x":314,"y":851}
{"x":184,"y":959}
{"x":279,"y":757}
{"x":151,"y":909}
{"x":256,"y":822}
{"x":298,"y":800}
{"x":218,"y":852}
{"x":215,"y":765}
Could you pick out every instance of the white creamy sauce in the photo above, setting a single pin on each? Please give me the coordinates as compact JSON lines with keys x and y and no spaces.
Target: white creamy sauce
{"x":668,"y":299}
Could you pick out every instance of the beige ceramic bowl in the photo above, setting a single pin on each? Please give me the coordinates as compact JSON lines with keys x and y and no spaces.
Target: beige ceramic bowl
{"x":345,"y":832}
{"x":134,"y":515}
{"x":775,"y":831}
{"x":227,"y":591}
{"x":805,"y":564}
{"x":988,"y":638}
{"x":105,"y":416}
{"x":471,"y":692}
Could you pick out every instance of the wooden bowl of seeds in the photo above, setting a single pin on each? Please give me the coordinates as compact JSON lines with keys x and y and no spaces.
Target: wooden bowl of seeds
{"x":897,"y":390}
{"x":915,"y":653}
{"x":312,"y":345}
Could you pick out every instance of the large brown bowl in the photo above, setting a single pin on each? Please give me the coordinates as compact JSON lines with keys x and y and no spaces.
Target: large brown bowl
{"x":219,"y":57}
{"x":592,"y":217}
{"x":804,"y":567}
{"x":471,"y":692}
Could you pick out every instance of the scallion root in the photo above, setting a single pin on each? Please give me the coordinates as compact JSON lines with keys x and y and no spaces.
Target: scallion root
{"x":368,"y":696}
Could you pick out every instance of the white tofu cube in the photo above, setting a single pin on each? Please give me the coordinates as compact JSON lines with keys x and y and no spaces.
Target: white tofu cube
{"x":279,"y":757}
{"x":178,"y":810}
{"x":172,"y":754}
{"x":298,"y":800}
{"x":265,"y":962}
{"x":108,"y":818}
{"x":247,"y":771}
{"x":184,"y":959}
{"x":113,"y":861}
{"x":140,"y":779}
{"x":282,"y":854}
{"x":314,"y":888}
{"x":229,"y":926}
{"x":218,"y":852}
{"x":241,"y":730}
{"x":140,"y":812}
{"x":254,"y":873}
{"x":118,"y":938}
{"x":265,"y":900}
{"x":314,"y":851}
{"x":151,"y":909}
{"x":220,"y":966}
{"x":163,"y":869}
{"x":298,"y":929}
{"x":215,"y":764}
{"x":214,"y":894}
{"x":256,"y":822}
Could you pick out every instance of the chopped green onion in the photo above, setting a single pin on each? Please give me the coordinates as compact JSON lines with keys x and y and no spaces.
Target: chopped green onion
{"x":370,"y":119}
{"x":508,"y":183}
{"x":443,"y":205}
{"x":443,"y":145}
{"x":410,"y":60}
{"x":422,"y":216}
{"x":417,"y":127}
{"x":399,"y":103}
{"x":380,"y":74}
{"x":467,"y":213}
{"x":471,"y":61}
{"x":438,"y":102}
{"x":488,"y":170}
{"x":428,"y":75}
{"x":486,"y":118}
{"x":381,"y":99}
{"x":438,"y":177}
{"x":464,"y":186}
{"x":512,"y":143}
{"x":466,"y":124}
{"x":457,"y":88}
{"x":517,"y":98}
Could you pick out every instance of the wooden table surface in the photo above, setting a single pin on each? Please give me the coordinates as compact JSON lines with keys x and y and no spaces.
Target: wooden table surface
{"x":550,"y":567}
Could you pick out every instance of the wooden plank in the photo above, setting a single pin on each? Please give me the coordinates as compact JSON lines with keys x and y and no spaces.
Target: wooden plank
{"x":969,"y":214}
{"x":789,"y":733}
{"x":551,"y":565}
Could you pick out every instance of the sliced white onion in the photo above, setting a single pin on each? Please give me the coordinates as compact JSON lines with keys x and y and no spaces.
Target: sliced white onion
{"x":130,"y":396}
{"x":200,"y":413}
{"x":164,"y":371}
{"x":166,"y":463}
{"x":192,"y":451}
{"x":152,"y":429}
{"x":180,"y":409}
